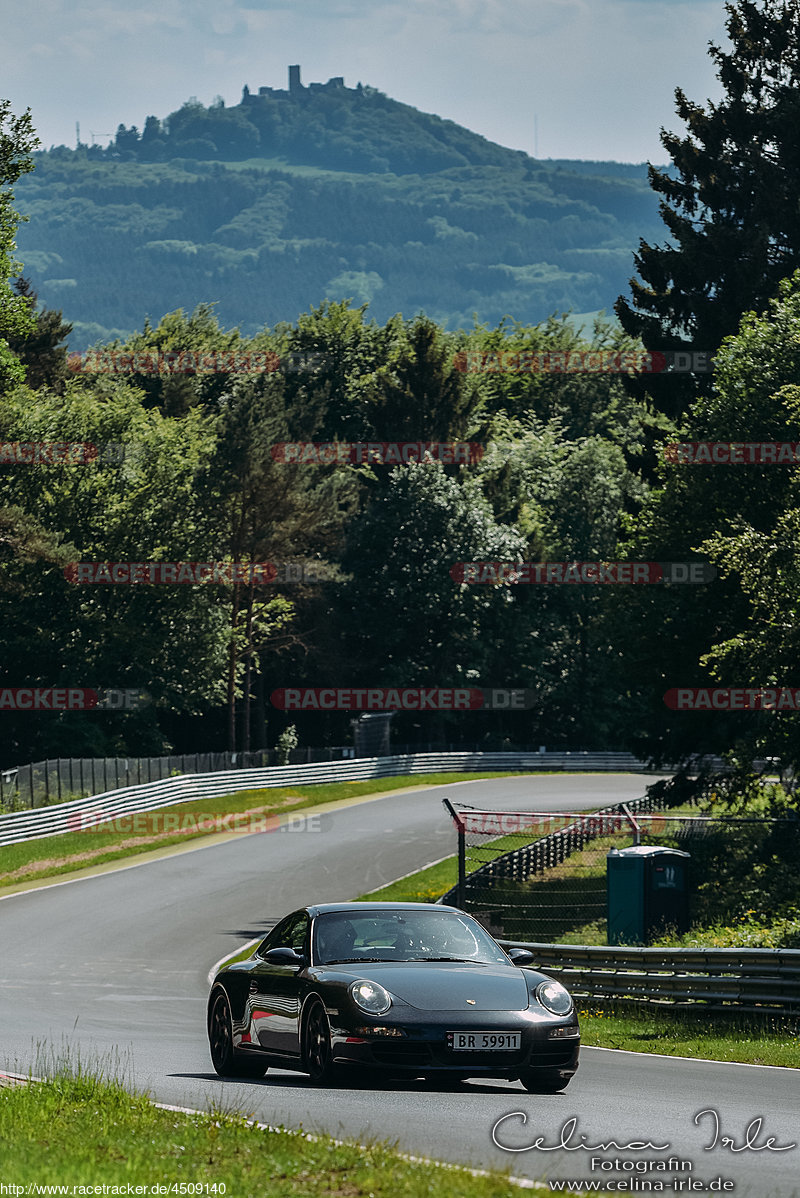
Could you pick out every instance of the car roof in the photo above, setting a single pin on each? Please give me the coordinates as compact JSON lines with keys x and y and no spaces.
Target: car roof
{"x":355,"y":908}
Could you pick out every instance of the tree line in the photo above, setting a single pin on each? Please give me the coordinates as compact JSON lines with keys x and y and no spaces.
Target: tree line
{"x":580,"y":466}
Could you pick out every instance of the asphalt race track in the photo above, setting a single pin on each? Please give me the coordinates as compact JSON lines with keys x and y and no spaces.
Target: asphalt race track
{"x":121,"y":961}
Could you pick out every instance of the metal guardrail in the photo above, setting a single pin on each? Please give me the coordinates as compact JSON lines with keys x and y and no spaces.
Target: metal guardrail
{"x":763,"y":981}
{"x":57,"y":780}
{"x":17,"y":826}
{"x":63,"y":779}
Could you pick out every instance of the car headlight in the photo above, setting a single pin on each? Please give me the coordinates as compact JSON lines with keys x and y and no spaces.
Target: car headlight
{"x":370,"y":997}
{"x":554,"y":998}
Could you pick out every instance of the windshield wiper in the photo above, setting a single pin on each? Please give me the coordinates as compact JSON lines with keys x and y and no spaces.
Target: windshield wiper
{"x":464,"y":960}
{"x":353,"y":960}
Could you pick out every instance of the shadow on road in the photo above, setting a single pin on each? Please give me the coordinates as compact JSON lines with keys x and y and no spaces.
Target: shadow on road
{"x":298,"y":1081}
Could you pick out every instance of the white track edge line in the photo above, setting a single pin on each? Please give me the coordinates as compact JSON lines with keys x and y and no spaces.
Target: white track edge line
{"x":666,"y":1056}
{"x":525,"y":1183}
{"x":218,"y":964}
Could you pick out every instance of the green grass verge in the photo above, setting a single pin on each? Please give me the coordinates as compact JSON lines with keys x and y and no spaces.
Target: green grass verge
{"x":424,"y":886}
{"x":69,"y":851}
{"x":85,"y":1130}
{"x":428,"y":884}
{"x":710,"y":1037}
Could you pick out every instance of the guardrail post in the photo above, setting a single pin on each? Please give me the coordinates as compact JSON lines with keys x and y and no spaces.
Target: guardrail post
{"x":462,"y":866}
{"x":461,"y":886}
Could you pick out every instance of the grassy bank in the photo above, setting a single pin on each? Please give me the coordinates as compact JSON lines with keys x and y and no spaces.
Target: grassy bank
{"x":710,"y":1037}
{"x":83,"y":1130}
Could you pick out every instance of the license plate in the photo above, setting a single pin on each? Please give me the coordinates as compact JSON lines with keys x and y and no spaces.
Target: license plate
{"x":484,"y":1041}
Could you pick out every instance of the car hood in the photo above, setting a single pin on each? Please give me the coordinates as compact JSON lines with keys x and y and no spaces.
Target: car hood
{"x":446,"y":985}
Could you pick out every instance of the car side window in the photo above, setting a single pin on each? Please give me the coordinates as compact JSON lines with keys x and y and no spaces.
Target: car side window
{"x":275,"y":939}
{"x":296,"y":934}
{"x":291,"y":932}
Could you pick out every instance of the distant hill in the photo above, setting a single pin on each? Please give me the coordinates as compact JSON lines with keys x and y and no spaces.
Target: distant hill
{"x":294,"y":196}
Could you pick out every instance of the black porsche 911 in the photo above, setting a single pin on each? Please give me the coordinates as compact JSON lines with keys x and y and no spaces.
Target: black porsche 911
{"x":409,"y":989}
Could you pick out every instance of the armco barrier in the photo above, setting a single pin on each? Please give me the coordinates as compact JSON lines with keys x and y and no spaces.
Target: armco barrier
{"x":760,"y":981}
{"x":17,"y":826}
{"x":57,"y":780}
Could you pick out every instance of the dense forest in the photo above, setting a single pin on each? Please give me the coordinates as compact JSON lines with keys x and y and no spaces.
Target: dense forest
{"x":184,"y":416}
{"x":289,"y":199}
{"x":573,"y":471}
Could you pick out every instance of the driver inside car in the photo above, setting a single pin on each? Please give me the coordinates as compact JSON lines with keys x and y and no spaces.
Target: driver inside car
{"x":335,"y":940}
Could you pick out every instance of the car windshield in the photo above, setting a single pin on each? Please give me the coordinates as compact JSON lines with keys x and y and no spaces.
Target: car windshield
{"x":402,"y":936}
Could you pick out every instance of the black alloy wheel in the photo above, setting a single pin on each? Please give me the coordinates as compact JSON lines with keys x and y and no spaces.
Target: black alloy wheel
{"x":317,"y":1051}
{"x":226,"y":1061}
{"x":543,"y":1081}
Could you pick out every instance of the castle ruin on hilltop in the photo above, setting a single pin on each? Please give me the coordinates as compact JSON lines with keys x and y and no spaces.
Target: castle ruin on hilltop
{"x":296,"y":88}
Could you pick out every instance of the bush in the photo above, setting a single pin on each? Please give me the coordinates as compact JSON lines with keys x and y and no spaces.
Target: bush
{"x":287,"y":741}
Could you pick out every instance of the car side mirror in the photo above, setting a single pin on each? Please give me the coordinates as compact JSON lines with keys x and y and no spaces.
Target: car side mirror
{"x":284,"y":956}
{"x":520,"y":956}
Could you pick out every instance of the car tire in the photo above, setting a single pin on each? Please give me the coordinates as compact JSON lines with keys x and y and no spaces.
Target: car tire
{"x":226,"y":1061}
{"x":317,"y":1049}
{"x":543,"y":1081}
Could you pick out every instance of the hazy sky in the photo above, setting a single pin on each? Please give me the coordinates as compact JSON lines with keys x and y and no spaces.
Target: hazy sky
{"x":599,"y":75}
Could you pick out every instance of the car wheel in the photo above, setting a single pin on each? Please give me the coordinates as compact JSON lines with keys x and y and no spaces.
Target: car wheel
{"x":542,"y":1081}
{"x":317,"y":1050}
{"x":226,"y":1061}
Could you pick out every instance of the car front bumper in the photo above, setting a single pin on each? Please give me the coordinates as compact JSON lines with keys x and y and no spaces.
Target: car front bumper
{"x":424,"y":1048}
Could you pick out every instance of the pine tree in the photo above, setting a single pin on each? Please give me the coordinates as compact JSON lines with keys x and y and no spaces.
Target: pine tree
{"x":39,"y":347}
{"x":731,"y":201}
{"x":424,"y":398}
